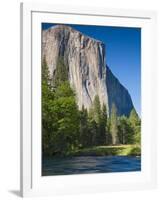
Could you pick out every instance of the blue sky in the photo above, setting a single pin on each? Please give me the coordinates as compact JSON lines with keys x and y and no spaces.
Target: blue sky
{"x":123,"y":54}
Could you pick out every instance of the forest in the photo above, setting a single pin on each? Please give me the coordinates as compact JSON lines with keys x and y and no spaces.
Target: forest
{"x":67,"y":129}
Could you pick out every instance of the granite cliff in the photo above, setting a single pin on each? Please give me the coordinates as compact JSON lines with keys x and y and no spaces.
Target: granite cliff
{"x":87,"y":70}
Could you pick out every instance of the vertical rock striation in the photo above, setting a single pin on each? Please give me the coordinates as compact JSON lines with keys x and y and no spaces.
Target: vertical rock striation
{"x":88,"y":74}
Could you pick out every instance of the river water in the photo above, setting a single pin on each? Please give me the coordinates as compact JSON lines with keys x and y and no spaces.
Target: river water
{"x":90,"y":164}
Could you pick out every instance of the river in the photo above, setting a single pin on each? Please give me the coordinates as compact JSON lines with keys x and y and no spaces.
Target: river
{"x":90,"y":164}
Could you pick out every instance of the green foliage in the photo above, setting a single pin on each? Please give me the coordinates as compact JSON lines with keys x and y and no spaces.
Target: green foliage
{"x":97,"y":122}
{"x":60,"y":116}
{"x":129,"y":129}
{"x":122,"y":150}
{"x":45,"y":71}
{"x":104,"y":114}
{"x":102,"y":125}
{"x":64,"y":90}
{"x":48,"y":117}
{"x":66,"y":111}
{"x":114,"y":125}
{"x":97,"y":109}
{"x":61,"y":72}
{"x":136,"y":126}
{"x":137,"y":136}
{"x":134,"y":118}
{"x":125,"y":130}
{"x":93,"y":132}
{"x":84,"y":128}
{"x":108,"y":134}
{"x":67,"y":129}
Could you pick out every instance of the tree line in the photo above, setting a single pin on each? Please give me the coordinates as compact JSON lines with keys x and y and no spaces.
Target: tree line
{"x":65,"y":128}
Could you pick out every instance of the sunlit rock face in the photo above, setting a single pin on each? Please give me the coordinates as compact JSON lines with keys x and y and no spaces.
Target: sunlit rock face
{"x":87,"y":71}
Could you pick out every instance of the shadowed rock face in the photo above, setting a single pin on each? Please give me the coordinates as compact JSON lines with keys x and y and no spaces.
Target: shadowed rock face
{"x":88,"y":74}
{"x":118,"y":95}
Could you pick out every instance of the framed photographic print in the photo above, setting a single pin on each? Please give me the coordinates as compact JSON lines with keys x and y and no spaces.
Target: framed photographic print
{"x":87,"y":100}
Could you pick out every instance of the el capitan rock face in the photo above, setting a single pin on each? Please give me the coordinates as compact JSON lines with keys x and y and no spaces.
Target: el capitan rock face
{"x":118,"y":95}
{"x":88,"y":74}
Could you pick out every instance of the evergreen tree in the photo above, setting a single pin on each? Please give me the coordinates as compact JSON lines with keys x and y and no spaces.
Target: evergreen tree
{"x":102,"y":125}
{"x":91,"y":113}
{"x":108,"y":134}
{"x":60,"y":115}
{"x":122,"y":129}
{"x":97,"y":109}
{"x":45,"y":71}
{"x":114,"y":125}
{"x":67,"y":114}
{"x":65,"y":128}
{"x":92,"y":126}
{"x":83,"y":129}
{"x":125,"y":131}
{"x":104,"y":114}
{"x":48,"y":119}
{"x":136,"y":126}
{"x":60,"y":73}
{"x":92,"y":132}
{"x":97,"y":118}
{"x":134,"y":118}
{"x":64,"y":90}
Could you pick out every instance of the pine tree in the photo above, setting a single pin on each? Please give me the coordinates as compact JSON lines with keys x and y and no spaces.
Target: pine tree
{"x":104,"y":114}
{"x":108,"y":134}
{"x":60,"y":115}
{"x":102,"y":125}
{"x":134,"y":118}
{"x":60,"y":73}
{"x":114,"y":125}
{"x":48,"y":119}
{"x":97,"y":109}
{"x":83,"y":129}
{"x":45,"y":71}
{"x":97,"y":118}
{"x":92,"y":132}
{"x":66,"y":110}
{"x":125,"y":130}
{"x":136,"y":126}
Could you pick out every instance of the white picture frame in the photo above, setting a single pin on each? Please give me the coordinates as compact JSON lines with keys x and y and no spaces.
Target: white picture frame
{"x":32,"y":183}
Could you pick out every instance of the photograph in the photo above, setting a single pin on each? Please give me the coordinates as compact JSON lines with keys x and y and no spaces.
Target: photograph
{"x":90,"y":99}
